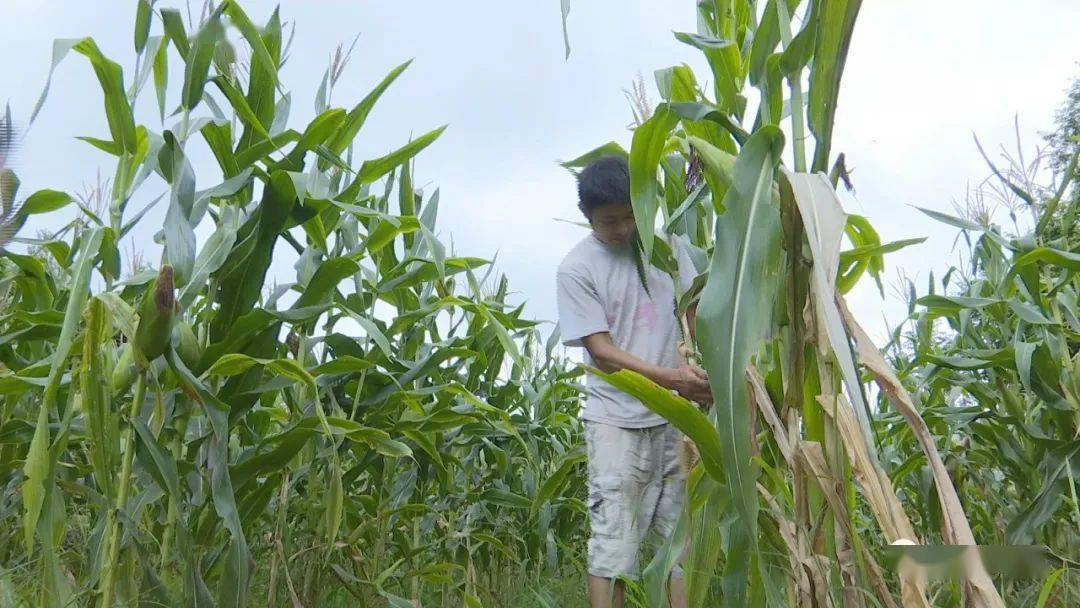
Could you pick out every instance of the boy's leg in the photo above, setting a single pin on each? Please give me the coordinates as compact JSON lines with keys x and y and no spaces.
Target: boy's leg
{"x":677,"y":592}
{"x":602,"y":594}
{"x":670,"y":507}
{"x":616,"y":481}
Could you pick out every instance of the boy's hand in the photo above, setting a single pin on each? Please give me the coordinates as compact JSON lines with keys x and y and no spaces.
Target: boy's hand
{"x":692,"y":382}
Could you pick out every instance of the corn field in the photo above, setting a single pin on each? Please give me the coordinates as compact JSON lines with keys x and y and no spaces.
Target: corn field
{"x":386,"y":429}
{"x":193,"y":433}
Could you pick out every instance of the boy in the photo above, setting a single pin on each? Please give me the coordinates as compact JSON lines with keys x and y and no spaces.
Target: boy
{"x":635,"y":478}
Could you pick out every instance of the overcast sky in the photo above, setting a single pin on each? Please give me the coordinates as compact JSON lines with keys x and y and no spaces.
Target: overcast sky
{"x":922,"y":76}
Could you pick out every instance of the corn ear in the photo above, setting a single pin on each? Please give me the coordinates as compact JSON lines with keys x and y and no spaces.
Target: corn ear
{"x":124,"y":372}
{"x":186,"y":344}
{"x":156,"y":315}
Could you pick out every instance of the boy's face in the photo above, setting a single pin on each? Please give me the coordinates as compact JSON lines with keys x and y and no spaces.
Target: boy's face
{"x":613,"y":223}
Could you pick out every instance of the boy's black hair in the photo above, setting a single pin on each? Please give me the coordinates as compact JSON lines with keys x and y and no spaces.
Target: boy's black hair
{"x":604,"y":181}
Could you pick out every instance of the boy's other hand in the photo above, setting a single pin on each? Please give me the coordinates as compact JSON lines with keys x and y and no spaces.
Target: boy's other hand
{"x":692,"y":382}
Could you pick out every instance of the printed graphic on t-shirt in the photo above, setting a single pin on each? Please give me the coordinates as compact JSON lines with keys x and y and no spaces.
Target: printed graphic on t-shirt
{"x":646,"y":316}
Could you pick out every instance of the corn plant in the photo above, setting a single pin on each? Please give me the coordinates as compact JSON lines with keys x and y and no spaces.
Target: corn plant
{"x":991,"y":351}
{"x":381,"y":428}
{"x":790,"y":502}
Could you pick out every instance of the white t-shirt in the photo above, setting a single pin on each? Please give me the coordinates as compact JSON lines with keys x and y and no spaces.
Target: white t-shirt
{"x":599,"y":290}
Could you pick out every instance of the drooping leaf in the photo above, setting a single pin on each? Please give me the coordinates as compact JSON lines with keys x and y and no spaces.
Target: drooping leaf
{"x":677,"y":410}
{"x":609,"y":149}
{"x":648,"y":145}
{"x":824,"y":220}
{"x":836,"y":22}
{"x":957,"y":529}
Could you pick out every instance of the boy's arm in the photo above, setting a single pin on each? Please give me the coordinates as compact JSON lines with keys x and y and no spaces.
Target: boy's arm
{"x":689,"y":381}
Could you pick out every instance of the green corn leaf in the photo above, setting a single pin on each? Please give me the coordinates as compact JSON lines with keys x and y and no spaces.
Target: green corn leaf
{"x":261,"y":84}
{"x":325,"y":281}
{"x":173,"y":24}
{"x":706,"y":542}
{"x":650,"y":140}
{"x":372,"y":331}
{"x":358,"y":115}
{"x":557,"y":479}
{"x":242,"y":275}
{"x":341,"y":365}
{"x":1029,"y":313}
{"x":237,"y":363}
{"x":161,"y":77}
{"x":381,"y":442}
{"x":142,"y":23}
{"x":564,"y":8}
{"x":951,"y":304}
{"x":1046,"y":255}
{"x":609,"y":149}
{"x":232,"y":591}
{"x":324,"y":126}
{"x":260,"y":54}
{"x":505,"y":498}
{"x":501,"y":332}
{"x":1049,"y":497}
{"x":953,"y":362}
{"x":801,"y":50}
{"x":694,"y":111}
{"x":44,"y":201}
{"x":681,"y":413}
{"x":372,"y":170}
{"x":246,"y":115}
{"x":952,"y":220}
{"x":232,"y":364}
{"x":726,"y":64}
{"x":178,"y":228}
{"x":1048,"y":587}
{"x":199,"y":59}
{"x":734,"y":315}
{"x":110,"y":77}
{"x":210,"y":258}
{"x":285,"y":447}
{"x":427,"y":444}
{"x":156,"y":460}
{"x":766,"y":37}
{"x":872,"y":251}
{"x":387,"y":229}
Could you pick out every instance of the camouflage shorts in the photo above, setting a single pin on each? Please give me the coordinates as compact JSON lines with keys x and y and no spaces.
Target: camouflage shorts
{"x":636,"y":485}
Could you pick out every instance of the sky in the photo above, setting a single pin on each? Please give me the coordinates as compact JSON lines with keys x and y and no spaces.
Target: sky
{"x":922,"y":77}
